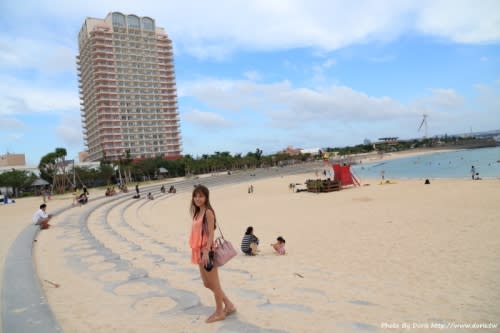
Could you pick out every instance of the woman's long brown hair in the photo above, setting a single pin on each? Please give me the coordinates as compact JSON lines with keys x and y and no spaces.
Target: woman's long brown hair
{"x":195,"y":210}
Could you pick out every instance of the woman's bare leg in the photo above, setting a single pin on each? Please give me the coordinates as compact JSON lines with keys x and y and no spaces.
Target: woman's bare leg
{"x":228,"y":305}
{"x":223,"y":305}
{"x":214,"y":285}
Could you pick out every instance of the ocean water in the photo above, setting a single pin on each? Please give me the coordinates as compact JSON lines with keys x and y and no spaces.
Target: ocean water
{"x":455,"y":164}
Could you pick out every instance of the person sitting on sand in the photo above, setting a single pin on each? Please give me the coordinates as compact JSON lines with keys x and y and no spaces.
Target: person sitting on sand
{"x":150,"y":196}
{"x":83,"y":199}
{"x":249,"y":243}
{"x":108,"y":192}
{"x":279,"y":246}
{"x":41,"y":217}
{"x":162,"y":189}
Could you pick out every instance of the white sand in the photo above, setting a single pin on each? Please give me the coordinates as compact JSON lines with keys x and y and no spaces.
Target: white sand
{"x":14,"y":218}
{"x":401,"y":253}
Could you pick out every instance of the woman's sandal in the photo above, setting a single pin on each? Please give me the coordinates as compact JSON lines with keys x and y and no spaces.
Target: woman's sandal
{"x":229,"y":311}
{"x":213,"y":318}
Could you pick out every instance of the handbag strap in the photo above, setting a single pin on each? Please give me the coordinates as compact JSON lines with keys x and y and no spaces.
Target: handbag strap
{"x":220,"y":231}
{"x":204,"y":221}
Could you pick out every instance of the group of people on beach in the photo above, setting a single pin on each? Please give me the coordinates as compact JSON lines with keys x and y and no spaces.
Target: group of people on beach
{"x":171,"y":189}
{"x":110,"y":191}
{"x":150,"y":195}
{"x":474,"y":173}
{"x":202,"y":244}
{"x":250,"y":244}
{"x":80,"y":198}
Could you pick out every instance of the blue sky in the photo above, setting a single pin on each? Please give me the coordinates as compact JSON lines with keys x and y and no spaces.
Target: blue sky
{"x":267,"y":74}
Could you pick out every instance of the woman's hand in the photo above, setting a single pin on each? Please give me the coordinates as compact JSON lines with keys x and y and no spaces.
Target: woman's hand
{"x":204,"y":257}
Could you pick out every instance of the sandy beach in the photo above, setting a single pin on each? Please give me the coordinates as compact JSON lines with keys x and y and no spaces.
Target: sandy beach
{"x":15,"y":217}
{"x":375,"y":157}
{"x":358,"y":260}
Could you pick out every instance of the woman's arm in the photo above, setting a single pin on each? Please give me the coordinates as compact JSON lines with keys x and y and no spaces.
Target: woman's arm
{"x":209,"y":215}
{"x":210,"y":224}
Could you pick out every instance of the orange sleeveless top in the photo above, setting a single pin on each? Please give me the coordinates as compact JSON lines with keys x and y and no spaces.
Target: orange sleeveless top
{"x":196,"y":241}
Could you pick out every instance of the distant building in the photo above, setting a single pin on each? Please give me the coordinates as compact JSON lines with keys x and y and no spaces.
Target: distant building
{"x":312,"y":151}
{"x":12,"y":160}
{"x":388,"y":140}
{"x":127,"y":88}
{"x":83,"y":156}
{"x":291,"y":151}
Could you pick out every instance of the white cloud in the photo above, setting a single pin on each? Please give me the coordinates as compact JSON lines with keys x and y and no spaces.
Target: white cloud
{"x":252,"y":75}
{"x":288,"y":106}
{"x":11,"y":124}
{"x":462,"y":21}
{"x":445,"y":98}
{"x":342,"y":109}
{"x":43,"y":55}
{"x":23,"y":96}
{"x":69,"y":130}
{"x":329,"y":63}
{"x":206,"y":119}
{"x":489,"y":99}
{"x":215,"y":29}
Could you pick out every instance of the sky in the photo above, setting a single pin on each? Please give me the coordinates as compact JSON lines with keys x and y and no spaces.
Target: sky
{"x":267,"y":74}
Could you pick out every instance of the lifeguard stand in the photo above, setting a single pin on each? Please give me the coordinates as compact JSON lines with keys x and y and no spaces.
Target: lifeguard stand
{"x":343,"y":174}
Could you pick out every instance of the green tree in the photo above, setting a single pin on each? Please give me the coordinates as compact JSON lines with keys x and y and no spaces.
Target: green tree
{"x":106,"y":173}
{"x":52,"y":168}
{"x":17,"y":179}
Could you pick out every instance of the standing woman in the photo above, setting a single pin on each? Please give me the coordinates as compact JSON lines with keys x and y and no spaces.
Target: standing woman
{"x":202,"y":242}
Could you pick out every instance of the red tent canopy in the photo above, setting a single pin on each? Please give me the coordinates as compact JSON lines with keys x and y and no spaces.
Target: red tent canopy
{"x":343,"y":174}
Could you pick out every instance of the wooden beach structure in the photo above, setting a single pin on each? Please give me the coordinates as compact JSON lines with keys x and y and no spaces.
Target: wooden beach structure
{"x":342,"y":177}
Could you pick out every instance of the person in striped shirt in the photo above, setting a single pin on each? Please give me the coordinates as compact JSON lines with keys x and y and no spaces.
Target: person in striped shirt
{"x":249,"y":243}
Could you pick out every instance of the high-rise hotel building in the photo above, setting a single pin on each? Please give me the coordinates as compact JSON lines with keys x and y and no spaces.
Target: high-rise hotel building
{"x":127,"y":88}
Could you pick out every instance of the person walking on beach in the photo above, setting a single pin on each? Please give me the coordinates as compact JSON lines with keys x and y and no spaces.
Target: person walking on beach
{"x":41,"y":218}
{"x":473,"y":171}
{"x":202,"y":242}
{"x":137,"y":189}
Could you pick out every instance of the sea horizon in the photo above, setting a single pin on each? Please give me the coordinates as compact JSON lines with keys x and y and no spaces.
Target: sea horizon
{"x":455,"y":164}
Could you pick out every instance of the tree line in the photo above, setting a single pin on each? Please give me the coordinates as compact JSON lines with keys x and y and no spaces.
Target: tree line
{"x":63,"y":175}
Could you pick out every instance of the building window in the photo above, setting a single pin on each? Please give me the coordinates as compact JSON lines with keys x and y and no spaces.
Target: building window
{"x":147,"y":24}
{"x":118,"y":19}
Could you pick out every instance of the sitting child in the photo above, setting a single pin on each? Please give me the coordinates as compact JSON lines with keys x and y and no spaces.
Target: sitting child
{"x":279,"y":246}
{"x":150,"y":196}
{"x":249,"y":243}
